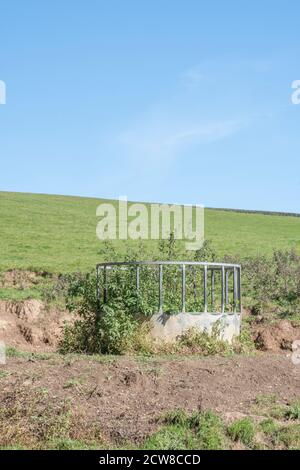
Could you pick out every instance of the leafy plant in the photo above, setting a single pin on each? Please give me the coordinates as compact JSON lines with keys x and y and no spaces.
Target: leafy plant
{"x":293,"y":411}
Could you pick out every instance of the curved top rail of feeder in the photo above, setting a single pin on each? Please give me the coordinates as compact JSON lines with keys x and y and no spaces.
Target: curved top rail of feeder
{"x":178,"y":263}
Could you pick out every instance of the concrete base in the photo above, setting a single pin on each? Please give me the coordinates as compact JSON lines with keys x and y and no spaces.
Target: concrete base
{"x":170,"y":327}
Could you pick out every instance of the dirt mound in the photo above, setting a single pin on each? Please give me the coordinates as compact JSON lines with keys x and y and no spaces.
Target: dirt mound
{"x":276,"y":337}
{"x":21,"y":279}
{"x":30,"y":326}
{"x":126,"y":397}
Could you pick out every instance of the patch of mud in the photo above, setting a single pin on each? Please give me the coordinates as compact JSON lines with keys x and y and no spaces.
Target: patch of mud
{"x":276,"y":337}
{"x":127,"y":397}
{"x":29,"y":326}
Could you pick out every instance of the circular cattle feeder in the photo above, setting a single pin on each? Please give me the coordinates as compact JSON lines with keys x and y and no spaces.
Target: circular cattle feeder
{"x":208,"y":295}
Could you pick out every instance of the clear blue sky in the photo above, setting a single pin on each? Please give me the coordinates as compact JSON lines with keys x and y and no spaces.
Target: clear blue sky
{"x":171,"y":101}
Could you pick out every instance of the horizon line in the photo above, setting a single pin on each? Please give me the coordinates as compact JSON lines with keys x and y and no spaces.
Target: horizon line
{"x":228,"y":209}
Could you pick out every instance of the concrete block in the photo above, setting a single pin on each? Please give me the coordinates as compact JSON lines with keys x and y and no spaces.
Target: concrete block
{"x":169,"y":327}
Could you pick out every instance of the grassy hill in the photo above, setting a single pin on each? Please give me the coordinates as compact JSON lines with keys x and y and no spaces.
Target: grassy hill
{"x":57,"y":233}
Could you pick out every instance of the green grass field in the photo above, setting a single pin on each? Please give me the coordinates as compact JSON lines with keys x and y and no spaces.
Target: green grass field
{"x":58,"y":233}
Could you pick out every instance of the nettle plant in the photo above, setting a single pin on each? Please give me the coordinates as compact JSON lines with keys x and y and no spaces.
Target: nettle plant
{"x":108,"y":326}
{"x":271,"y":285}
{"x":110,"y":309}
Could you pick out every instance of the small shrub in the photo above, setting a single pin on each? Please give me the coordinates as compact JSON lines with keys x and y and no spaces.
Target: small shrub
{"x":293,"y":411}
{"x":203,"y":343}
{"x":244,"y":344}
{"x":116,"y":330}
{"x":271,"y":284}
{"x":99,"y":328}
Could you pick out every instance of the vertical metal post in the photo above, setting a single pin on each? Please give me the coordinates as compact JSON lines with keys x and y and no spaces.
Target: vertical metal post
{"x":223,"y":290}
{"x":183,"y":288}
{"x":239,"y":288}
{"x":212,"y":289}
{"x":98,"y":294}
{"x":105,"y":284}
{"x":97,"y":286}
{"x":234,"y":289}
{"x":160,"y":288}
{"x":227,"y":272}
{"x":205,"y":288}
{"x":138,"y":279}
{"x":194,"y":282}
{"x":137,"y":273}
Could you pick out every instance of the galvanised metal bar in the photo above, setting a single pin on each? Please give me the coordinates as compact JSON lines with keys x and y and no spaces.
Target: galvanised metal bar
{"x":105,"y":284}
{"x":98,"y":285}
{"x":161,"y":301}
{"x":227,"y":273}
{"x":205,"y":288}
{"x":234,"y":289}
{"x":224,"y":268}
{"x":183,"y":288}
{"x":194,"y":282}
{"x":138,"y":278}
{"x":180,"y":263}
{"x":212,"y":290}
{"x":223,"y":290}
{"x":239,"y":288}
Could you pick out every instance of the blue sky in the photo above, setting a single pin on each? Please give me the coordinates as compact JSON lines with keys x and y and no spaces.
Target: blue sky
{"x":171,"y":101}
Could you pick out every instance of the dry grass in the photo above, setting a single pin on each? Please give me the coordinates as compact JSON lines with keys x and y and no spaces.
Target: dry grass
{"x":32,"y":419}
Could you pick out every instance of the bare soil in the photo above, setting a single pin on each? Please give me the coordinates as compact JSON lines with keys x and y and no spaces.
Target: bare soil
{"x":277,"y":337}
{"x":22,"y":279}
{"x":126,"y":396}
{"x":31,"y":326}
